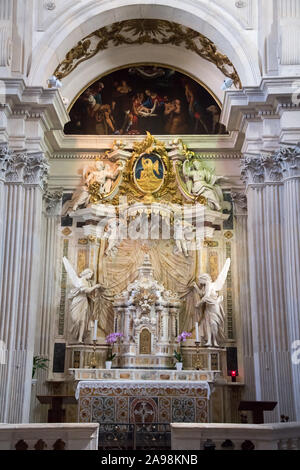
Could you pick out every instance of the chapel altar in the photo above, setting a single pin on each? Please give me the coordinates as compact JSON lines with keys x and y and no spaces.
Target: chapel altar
{"x":141,"y":245}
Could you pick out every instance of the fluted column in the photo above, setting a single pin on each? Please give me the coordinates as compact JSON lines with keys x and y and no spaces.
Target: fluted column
{"x":290,"y":158}
{"x":263,"y":176}
{"x":21,"y":279}
{"x":241,"y":226}
{"x":46,"y":320}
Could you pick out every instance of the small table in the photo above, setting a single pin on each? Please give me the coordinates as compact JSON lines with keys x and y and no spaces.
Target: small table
{"x":257,"y":408}
{"x":56,"y":414}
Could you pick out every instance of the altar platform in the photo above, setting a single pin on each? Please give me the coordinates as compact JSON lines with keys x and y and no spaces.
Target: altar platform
{"x":143,"y":401}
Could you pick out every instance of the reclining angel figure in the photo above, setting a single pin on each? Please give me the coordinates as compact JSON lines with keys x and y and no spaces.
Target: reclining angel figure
{"x":210,"y":311}
{"x":82,"y":300}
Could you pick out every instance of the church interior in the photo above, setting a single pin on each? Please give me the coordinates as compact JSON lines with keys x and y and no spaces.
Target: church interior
{"x":149,"y":225}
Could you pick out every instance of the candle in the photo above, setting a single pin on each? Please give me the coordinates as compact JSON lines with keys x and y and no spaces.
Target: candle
{"x":197,"y":332}
{"x":95,"y":330}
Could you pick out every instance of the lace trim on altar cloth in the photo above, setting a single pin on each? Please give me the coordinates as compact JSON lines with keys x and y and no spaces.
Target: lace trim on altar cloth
{"x":140,"y":385}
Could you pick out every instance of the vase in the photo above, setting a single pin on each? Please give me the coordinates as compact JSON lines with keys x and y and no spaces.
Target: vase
{"x":108,"y":364}
{"x":179,"y":365}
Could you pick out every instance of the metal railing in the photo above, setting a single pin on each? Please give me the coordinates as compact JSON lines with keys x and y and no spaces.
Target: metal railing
{"x":134,"y":436}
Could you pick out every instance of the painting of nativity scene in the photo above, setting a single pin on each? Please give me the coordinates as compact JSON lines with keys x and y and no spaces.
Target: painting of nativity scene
{"x":135,"y":100}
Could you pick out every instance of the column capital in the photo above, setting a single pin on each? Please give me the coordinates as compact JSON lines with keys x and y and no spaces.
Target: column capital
{"x":289,"y":157}
{"x":16,"y":168}
{"x":36,"y":170}
{"x":5,"y":156}
{"x":239,"y":201}
{"x":262,"y":169}
{"x":252,"y":171}
{"x":53,"y":200}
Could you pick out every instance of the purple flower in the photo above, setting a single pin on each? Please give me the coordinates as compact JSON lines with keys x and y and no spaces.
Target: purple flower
{"x":183,"y":336}
{"x":113,"y":337}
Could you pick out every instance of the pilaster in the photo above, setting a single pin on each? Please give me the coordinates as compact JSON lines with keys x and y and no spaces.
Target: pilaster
{"x":263,"y":175}
{"x":25,"y":177}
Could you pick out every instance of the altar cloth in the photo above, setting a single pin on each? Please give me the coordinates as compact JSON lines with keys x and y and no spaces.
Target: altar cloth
{"x":142,"y":401}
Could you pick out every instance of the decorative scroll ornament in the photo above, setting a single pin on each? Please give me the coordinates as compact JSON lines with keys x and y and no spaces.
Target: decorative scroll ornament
{"x":150,"y":31}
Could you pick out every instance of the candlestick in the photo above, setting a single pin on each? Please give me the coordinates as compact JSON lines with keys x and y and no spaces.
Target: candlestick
{"x":93,"y":362}
{"x":198,"y":363}
{"x":197,"y":332}
{"x":95,"y":330}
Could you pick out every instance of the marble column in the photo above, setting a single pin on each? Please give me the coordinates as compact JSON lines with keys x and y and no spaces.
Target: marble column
{"x":263,"y":176}
{"x":246,"y":370}
{"x":21,"y":285}
{"x":47,"y":319}
{"x":290,"y":158}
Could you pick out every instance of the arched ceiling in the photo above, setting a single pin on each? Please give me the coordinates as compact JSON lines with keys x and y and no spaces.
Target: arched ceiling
{"x":81,"y":19}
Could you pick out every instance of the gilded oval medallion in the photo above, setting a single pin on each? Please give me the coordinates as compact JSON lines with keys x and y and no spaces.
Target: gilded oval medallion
{"x":149,"y":173}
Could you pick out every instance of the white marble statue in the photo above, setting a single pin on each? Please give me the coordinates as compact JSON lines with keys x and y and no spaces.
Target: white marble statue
{"x":81,"y":306}
{"x":210,"y":311}
{"x":102,"y":172}
{"x":202,"y":181}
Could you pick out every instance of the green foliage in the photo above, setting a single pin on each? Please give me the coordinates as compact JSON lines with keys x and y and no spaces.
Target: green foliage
{"x":110,"y":355}
{"x":39,"y":362}
{"x":178,"y":356}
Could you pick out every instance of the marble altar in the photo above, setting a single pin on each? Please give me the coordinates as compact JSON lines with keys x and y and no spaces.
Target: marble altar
{"x":142,"y":401}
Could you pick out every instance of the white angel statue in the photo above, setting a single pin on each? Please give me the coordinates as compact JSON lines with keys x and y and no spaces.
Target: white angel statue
{"x":210,"y":309}
{"x":81,"y":307}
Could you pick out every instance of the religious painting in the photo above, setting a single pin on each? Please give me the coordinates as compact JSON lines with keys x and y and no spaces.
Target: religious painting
{"x":149,"y":173}
{"x":135,"y":100}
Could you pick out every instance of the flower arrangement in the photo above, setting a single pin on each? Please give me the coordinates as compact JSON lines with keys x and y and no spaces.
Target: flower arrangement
{"x":183,"y":336}
{"x":180,"y":339}
{"x":111,"y":339}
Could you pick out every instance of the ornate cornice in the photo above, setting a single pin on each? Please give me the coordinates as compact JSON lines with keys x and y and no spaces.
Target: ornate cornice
{"x":146,"y":31}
